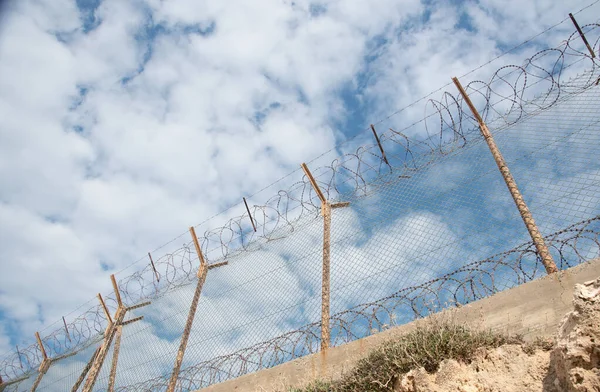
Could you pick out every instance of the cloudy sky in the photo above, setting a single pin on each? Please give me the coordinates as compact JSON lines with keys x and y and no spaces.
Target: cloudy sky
{"x":124,"y":122}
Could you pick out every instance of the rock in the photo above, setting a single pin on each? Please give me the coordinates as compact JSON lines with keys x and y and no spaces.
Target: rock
{"x":575,"y":361}
{"x":573,"y":365}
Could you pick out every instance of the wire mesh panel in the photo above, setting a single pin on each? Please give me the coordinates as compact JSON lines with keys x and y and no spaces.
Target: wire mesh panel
{"x":429,"y":224}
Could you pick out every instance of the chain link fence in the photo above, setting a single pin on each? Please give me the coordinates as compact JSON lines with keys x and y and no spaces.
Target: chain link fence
{"x":429,"y":225}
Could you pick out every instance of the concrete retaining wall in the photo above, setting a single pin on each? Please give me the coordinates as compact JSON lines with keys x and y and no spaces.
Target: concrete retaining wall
{"x":532,"y":309}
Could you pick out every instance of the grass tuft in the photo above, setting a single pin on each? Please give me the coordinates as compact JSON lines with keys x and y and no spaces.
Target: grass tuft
{"x":425,"y":347}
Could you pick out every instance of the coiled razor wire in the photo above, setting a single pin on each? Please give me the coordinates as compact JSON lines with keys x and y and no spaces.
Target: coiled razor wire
{"x":464,"y":285}
{"x":511,"y":94}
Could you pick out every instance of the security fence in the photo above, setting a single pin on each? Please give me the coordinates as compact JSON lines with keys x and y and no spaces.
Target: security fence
{"x":391,"y":230}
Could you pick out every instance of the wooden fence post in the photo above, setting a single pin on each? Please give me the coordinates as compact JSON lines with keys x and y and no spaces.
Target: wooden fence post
{"x":534,"y":232}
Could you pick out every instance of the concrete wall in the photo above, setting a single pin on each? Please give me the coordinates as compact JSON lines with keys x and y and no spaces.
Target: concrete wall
{"x":532,"y":309}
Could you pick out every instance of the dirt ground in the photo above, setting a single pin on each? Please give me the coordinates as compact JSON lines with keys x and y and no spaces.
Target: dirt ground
{"x":572,"y":365}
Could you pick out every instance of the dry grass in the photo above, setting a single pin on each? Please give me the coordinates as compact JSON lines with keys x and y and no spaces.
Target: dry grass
{"x":425,"y":347}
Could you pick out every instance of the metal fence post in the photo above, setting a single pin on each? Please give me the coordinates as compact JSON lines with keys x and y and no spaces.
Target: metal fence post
{"x":190,"y":320}
{"x":326,"y":208}
{"x":534,"y":232}
{"x":43,"y":369}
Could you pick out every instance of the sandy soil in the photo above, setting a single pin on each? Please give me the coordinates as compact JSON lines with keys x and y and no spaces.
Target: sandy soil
{"x":573,"y":365}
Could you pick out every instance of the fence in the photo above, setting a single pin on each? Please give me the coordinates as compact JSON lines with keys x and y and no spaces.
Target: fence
{"x":421,"y":217}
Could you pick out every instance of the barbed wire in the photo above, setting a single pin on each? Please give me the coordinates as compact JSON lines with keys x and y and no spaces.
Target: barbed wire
{"x":510,"y":95}
{"x":460,"y":287}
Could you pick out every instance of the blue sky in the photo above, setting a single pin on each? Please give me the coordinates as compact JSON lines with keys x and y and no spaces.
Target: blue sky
{"x":124,"y":122}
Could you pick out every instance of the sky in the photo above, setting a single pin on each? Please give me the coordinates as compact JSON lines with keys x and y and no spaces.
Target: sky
{"x":123,"y":122}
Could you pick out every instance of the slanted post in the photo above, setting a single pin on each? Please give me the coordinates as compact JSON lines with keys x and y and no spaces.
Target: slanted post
{"x":249,"y":214}
{"x":45,"y":365}
{"x":154,"y":268}
{"x":116,"y":290}
{"x":42,"y":349}
{"x":115,"y":359}
{"x":85,"y":370}
{"x":109,"y":335}
{"x":534,"y":232}
{"x":67,"y":329}
{"x":326,"y":208}
{"x":190,"y":320}
{"x":585,"y":41}
{"x":106,"y":312}
{"x":119,"y":330}
{"x":383,"y":156}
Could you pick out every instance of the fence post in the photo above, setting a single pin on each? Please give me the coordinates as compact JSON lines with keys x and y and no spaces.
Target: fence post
{"x":326,"y":278}
{"x":326,"y":208}
{"x":249,"y":214}
{"x":85,"y":370}
{"x":118,"y":332}
{"x":534,"y":232}
{"x":154,"y":268}
{"x":66,"y":329}
{"x":383,"y":156}
{"x":115,"y":359}
{"x":190,"y":320}
{"x":106,"y":312}
{"x":585,"y":41}
{"x":45,"y":365}
{"x":109,"y":335}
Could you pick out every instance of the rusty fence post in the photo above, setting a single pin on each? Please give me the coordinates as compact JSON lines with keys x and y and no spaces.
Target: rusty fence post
{"x":249,"y":214}
{"x":383,"y":156}
{"x":109,"y":335}
{"x":115,"y":359}
{"x":45,"y":365}
{"x":202,"y":271}
{"x":585,"y":41}
{"x":326,"y":208}
{"x":534,"y":232}
{"x":85,"y":370}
